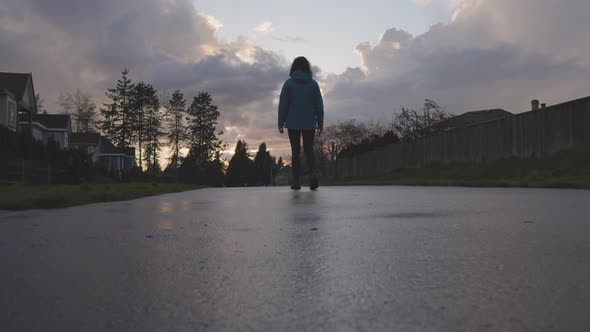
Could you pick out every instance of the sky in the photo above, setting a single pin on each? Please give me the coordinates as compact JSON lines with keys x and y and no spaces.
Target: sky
{"x":324,"y":31}
{"x":370,"y":57}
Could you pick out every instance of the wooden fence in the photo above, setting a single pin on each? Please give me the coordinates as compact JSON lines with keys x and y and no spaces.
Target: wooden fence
{"x":15,"y":170}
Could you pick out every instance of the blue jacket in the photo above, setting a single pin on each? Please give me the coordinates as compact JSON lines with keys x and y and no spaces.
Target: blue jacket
{"x":301,"y":105}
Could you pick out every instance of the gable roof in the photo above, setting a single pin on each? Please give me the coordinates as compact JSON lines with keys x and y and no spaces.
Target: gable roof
{"x":107,"y":147}
{"x":3,"y":91}
{"x":129,"y":152}
{"x":84,"y":138}
{"x":53,"y":121}
{"x":49,"y":121}
{"x":15,"y":83}
{"x":471,"y":118}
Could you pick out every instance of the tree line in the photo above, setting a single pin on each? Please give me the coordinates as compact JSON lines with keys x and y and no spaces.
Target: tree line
{"x":349,"y":138}
{"x":136,"y":115}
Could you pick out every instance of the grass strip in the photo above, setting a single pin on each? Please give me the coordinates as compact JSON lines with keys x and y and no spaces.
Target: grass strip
{"x":566,"y":169}
{"x":19,"y":197}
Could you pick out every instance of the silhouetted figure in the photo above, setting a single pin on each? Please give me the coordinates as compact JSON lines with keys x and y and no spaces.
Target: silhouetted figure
{"x":301,"y":111}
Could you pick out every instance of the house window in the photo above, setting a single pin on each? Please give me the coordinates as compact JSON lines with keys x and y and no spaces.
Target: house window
{"x":11,"y":115}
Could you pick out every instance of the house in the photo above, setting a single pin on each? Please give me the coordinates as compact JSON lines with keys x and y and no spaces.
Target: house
{"x":470,"y":118}
{"x":88,"y":142}
{"x":18,"y":110}
{"x":17,"y":95}
{"x":103,"y":151}
{"x":282,"y":176}
{"x":45,"y":127}
{"x":114,"y":158}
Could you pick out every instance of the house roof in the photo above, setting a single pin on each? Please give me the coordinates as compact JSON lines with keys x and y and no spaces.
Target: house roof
{"x":50,"y":121}
{"x":16,"y":83}
{"x":107,"y":147}
{"x":129,"y":152}
{"x":84,"y":138}
{"x":54,"y":121}
{"x":3,"y":91}
{"x":471,"y":118}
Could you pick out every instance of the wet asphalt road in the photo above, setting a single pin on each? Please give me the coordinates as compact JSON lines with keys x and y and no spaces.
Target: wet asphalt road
{"x":341,"y":258}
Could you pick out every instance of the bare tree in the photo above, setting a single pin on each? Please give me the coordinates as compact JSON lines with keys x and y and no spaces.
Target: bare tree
{"x":39,"y":103}
{"x":409,"y":125}
{"x":433,"y":113}
{"x":351,"y":132}
{"x":376,"y":128}
{"x":331,"y":142}
{"x":82,"y":109}
{"x":346,"y":135}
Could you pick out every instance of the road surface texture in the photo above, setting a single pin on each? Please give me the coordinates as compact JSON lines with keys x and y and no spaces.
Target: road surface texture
{"x":340,"y":259}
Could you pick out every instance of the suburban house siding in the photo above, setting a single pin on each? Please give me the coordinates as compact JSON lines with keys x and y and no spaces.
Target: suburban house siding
{"x":45,"y":127}
{"x":4,"y":110}
{"x":28,"y":99}
{"x":37,"y":134}
{"x":87,"y":142}
{"x":17,"y":96}
{"x":11,"y":114}
{"x":60,"y":137}
{"x":8,"y":111}
{"x":91,"y":149}
{"x":129,"y":162}
{"x":21,"y":88}
{"x":104,"y":152}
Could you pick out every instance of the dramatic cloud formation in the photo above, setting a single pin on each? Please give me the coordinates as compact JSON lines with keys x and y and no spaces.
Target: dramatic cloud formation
{"x":71,"y":44}
{"x":497,"y":53}
{"x":491,"y":53}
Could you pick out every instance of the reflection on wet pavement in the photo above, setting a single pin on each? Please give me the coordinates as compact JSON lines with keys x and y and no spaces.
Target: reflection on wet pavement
{"x":341,"y":258}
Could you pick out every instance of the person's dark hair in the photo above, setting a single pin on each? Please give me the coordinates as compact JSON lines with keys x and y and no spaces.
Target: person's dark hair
{"x":300,"y":64}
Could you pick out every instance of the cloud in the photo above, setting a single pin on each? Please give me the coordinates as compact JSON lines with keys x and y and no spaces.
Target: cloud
{"x":492,"y":54}
{"x":70,"y":44}
{"x":422,"y":2}
{"x":264,"y":27}
{"x":291,"y":39}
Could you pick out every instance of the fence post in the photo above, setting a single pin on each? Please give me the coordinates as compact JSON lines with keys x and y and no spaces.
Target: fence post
{"x":23,"y":171}
{"x":48,"y":174}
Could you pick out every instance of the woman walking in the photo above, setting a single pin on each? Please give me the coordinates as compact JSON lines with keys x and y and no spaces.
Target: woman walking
{"x":301,"y":111}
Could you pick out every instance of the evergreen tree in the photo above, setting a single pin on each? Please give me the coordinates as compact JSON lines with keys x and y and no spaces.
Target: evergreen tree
{"x":119,"y":115}
{"x":239,"y":170}
{"x":280,"y":163}
{"x":263,"y":165}
{"x":276,"y":166}
{"x":144,"y":96}
{"x":202,"y":139}
{"x":153,"y":133}
{"x":175,"y":125}
{"x":214,"y":173}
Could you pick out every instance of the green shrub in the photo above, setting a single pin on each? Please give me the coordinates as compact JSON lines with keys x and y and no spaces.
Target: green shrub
{"x":50,"y":201}
{"x":85,"y":187}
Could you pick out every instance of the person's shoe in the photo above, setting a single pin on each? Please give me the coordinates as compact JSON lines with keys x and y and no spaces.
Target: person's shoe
{"x":314,"y":183}
{"x":296,"y":186}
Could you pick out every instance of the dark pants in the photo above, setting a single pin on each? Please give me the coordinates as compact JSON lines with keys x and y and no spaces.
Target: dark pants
{"x":295,"y":139}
